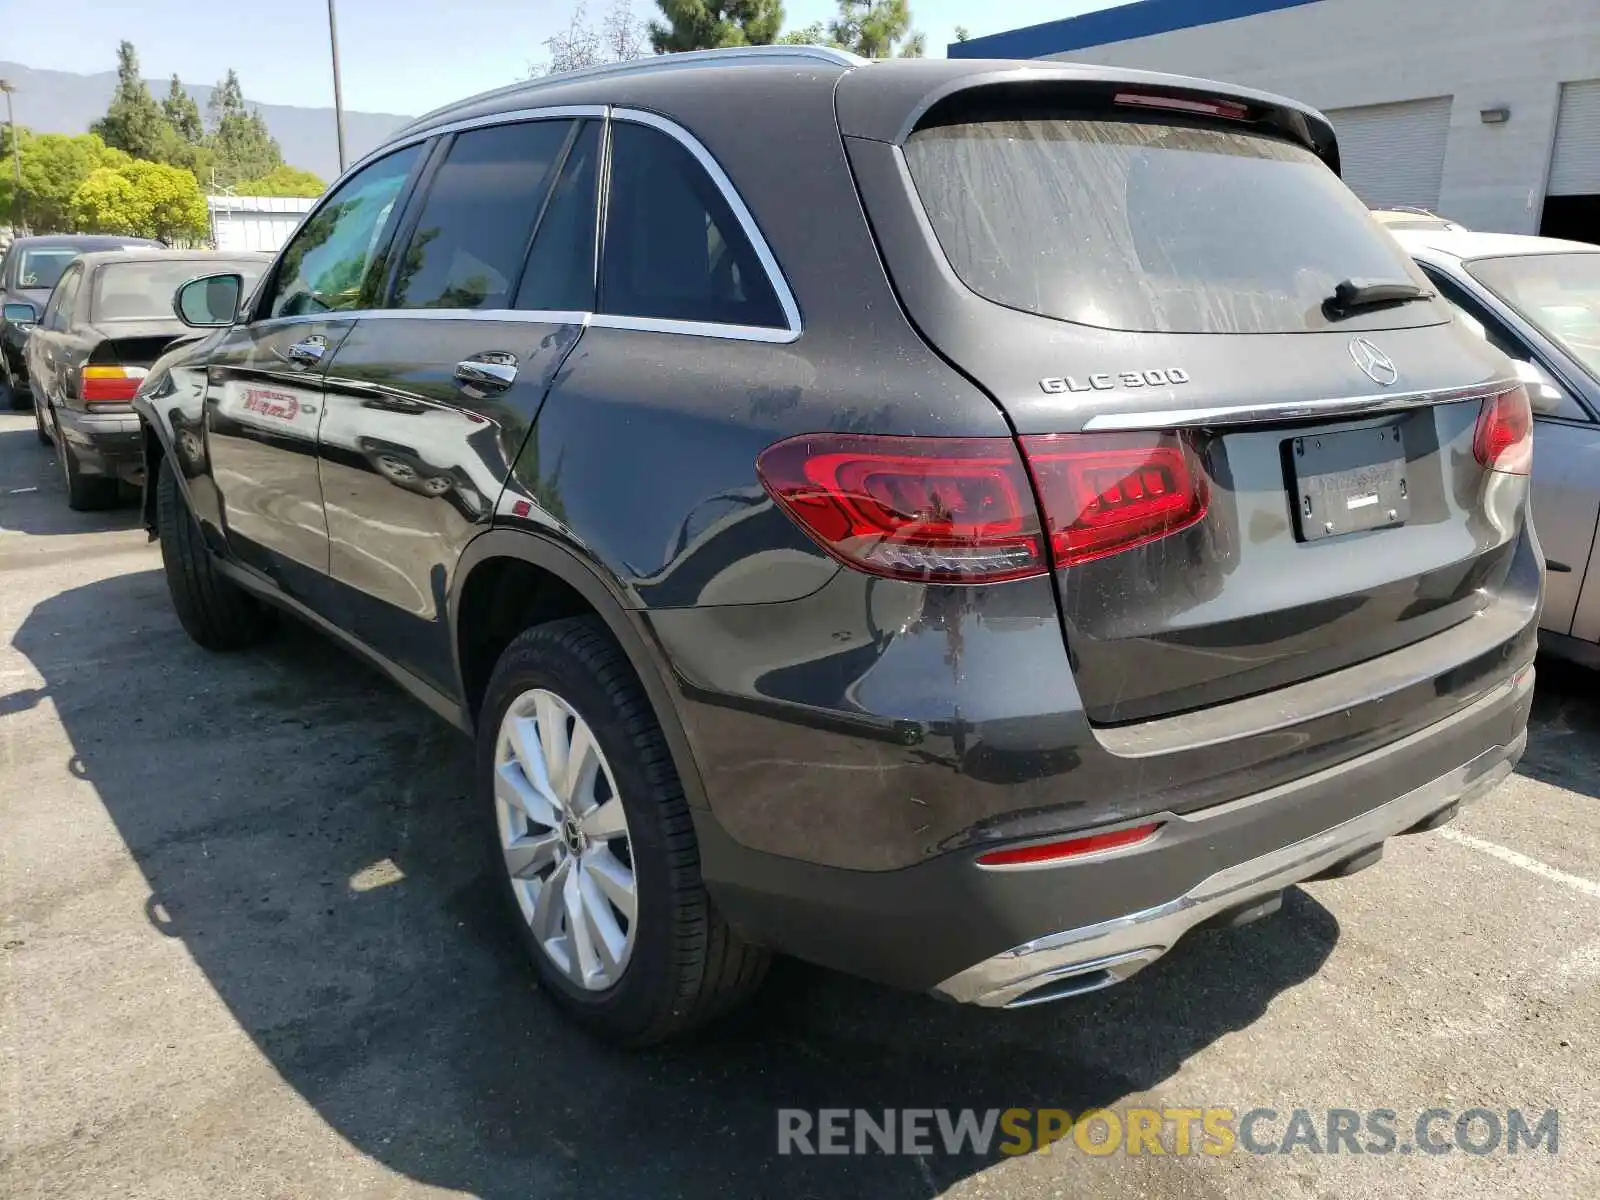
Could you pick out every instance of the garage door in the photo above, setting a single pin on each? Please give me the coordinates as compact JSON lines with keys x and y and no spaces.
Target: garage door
{"x":1575,"y":165}
{"x":1393,"y":154}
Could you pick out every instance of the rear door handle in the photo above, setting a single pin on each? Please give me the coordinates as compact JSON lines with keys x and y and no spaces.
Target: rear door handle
{"x":486,"y":373}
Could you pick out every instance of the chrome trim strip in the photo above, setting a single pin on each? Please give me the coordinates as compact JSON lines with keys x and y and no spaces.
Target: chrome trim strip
{"x":531,"y":316}
{"x":732,"y":333}
{"x":752,"y":231}
{"x":1294,"y":410}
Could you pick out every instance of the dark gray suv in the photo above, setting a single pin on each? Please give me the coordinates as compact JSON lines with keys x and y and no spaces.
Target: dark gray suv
{"x":963,"y":523}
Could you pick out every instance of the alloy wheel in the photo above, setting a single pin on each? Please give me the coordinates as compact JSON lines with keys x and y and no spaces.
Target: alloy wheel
{"x":564,"y":837}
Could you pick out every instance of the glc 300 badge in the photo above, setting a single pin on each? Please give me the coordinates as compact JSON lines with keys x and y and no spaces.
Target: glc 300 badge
{"x":1105,"y":381}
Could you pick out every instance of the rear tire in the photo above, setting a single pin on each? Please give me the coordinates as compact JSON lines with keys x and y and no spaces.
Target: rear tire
{"x":11,"y":397}
{"x":683,"y":964}
{"x":213,"y":610}
{"x":85,"y":493}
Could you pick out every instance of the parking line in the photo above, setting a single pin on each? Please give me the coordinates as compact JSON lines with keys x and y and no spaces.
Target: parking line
{"x":1533,"y":866}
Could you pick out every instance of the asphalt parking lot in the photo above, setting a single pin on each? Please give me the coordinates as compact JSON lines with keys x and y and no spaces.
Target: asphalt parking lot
{"x":246,"y":949}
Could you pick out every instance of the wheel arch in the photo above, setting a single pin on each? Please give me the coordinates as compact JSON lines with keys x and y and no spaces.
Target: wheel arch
{"x":493,"y":557}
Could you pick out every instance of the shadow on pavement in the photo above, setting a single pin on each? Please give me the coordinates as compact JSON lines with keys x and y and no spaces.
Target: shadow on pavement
{"x":33,"y":500}
{"x":1564,"y":729}
{"x":304,"y":829}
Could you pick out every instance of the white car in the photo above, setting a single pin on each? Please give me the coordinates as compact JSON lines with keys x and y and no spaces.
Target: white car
{"x":1538,"y":300}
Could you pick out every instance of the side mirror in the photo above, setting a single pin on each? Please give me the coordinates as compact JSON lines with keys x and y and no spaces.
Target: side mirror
{"x":21,"y":314}
{"x":209,"y":302}
{"x":1545,"y":395}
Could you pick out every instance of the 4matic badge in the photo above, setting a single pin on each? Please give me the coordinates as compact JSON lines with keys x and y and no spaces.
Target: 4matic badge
{"x":1106,"y":381}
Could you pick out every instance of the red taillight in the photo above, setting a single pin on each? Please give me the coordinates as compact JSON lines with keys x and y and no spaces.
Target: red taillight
{"x":1076,"y":847}
{"x":1229,"y":109}
{"x":1503,"y":440}
{"x":109,"y":385}
{"x":951,"y":510}
{"x":1103,"y":493}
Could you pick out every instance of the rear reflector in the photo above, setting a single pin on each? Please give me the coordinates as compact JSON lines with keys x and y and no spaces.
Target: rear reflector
{"x":1104,"y":493}
{"x":109,"y":385}
{"x":1207,"y":108}
{"x":1046,"y":852}
{"x":1504,"y":438}
{"x":954,"y":510}
{"x":961,"y":510}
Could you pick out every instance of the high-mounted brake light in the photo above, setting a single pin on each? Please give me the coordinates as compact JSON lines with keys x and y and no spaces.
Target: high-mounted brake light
{"x":1206,"y":108}
{"x":961,"y":510}
{"x":109,"y":386}
{"x":1503,"y":440}
{"x":1048,"y":852}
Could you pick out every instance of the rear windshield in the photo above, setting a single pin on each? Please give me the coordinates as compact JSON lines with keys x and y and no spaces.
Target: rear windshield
{"x":142,"y":291}
{"x":1151,"y":227}
{"x":1558,"y":293}
{"x":42,"y":268}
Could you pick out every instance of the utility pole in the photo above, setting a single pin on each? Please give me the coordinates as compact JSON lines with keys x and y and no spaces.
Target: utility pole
{"x":338,"y":96}
{"x":16,"y":157}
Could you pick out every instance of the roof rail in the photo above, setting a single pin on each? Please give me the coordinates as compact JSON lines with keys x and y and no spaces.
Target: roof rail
{"x":732,"y":56}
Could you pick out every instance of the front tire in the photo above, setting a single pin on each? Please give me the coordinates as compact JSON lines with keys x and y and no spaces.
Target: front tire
{"x":594,"y":845}
{"x":213,"y":610}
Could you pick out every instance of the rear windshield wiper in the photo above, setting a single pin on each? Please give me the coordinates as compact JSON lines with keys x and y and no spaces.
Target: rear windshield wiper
{"x":1354,"y":295}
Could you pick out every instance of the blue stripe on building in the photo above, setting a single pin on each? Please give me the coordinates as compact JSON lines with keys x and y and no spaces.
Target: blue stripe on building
{"x":1113,"y":25}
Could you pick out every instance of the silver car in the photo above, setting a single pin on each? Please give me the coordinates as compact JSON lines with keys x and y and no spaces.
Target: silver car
{"x":1538,"y":300}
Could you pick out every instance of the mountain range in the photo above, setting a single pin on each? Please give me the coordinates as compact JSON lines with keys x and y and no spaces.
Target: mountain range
{"x":67,"y":102}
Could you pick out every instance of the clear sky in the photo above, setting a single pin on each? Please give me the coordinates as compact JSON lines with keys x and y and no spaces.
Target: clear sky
{"x":399,"y":56}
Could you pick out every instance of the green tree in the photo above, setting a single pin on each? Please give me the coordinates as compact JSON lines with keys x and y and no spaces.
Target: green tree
{"x":877,"y":29}
{"x":141,"y":199}
{"x":54,"y":165}
{"x":963,"y":34}
{"x":242,"y":146}
{"x":710,"y":24}
{"x":134,"y":121}
{"x":814,"y":34}
{"x":183,"y":114}
{"x":284,"y":181}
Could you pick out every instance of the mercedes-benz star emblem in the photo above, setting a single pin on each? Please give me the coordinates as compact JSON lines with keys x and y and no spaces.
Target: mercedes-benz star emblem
{"x":1374,"y":363}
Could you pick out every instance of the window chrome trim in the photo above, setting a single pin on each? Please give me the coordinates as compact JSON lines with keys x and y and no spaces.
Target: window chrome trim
{"x":752,"y":233}
{"x":1294,"y":410}
{"x":776,"y":279}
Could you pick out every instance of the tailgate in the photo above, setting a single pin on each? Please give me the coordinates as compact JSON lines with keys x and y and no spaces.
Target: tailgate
{"x":1157,"y":282}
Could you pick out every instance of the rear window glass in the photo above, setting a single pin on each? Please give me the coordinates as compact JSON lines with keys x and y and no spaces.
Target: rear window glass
{"x":43,"y":268}
{"x":142,"y":291}
{"x":1151,"y":227}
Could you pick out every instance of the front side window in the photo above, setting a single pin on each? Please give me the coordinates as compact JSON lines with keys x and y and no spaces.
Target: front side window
{"x":673,"y":248}
{"x":325,"y":265}
{"x":468,"y":245}
{"x":1159,"y":228}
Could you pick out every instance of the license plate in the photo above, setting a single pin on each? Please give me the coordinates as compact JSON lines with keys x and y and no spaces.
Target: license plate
{"x":1350,"y":481}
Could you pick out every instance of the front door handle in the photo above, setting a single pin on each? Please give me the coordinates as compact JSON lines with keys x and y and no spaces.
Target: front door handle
{"x":309,"y":352}
{"x":487,"y":373}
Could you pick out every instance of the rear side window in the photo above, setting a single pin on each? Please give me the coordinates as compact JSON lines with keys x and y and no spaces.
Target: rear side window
{"x":1150,"y":227}
{"x":58,"y":312}
{"x":559,"y":274}
{"x":468,"y":245}
{"x":673,"y":248}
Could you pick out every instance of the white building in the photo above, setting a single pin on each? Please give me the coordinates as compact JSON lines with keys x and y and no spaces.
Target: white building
{"x":255,"y":222}
{"x":1487,"y":111}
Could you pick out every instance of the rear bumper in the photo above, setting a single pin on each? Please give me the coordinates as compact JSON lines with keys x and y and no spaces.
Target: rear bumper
{"x":1010,"y":937}
{"x":105,"y":443}
{"x":1075,"y":961}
